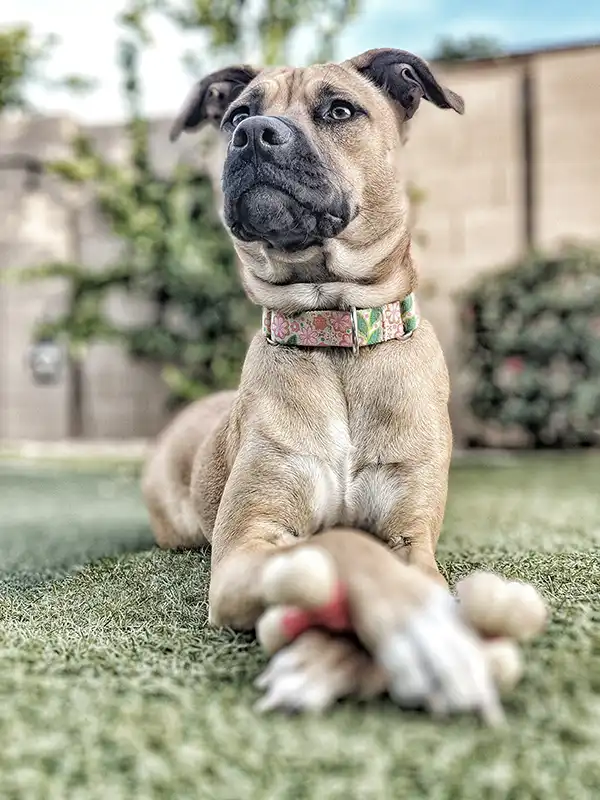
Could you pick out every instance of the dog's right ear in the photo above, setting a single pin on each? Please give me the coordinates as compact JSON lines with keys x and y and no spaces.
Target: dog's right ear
{"x":210,"y":98}
{"x":407,"y":79}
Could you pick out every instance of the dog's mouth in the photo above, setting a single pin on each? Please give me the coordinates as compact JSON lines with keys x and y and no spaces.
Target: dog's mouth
{"x":289,"y":209}
{"x":275,"y":217}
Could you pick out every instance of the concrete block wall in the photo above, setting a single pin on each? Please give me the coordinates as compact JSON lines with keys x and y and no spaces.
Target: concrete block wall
{"x":50,"y":221}
{"x":487,"y":197}
{"x":470,"y":170}
{"x":567,"y":146}
{"x":33,"y":229}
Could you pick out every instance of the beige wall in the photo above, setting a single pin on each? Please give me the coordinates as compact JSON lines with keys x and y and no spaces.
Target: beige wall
{"x":33,"y":228}
{"x":471,"y":168}
{"x":568,"y":146}
{"x":121,"y":397}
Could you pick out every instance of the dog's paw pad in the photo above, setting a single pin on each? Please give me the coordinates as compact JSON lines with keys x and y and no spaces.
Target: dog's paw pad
{"x":497,"y":607}
{"x":273,"y":630}
{"x":505,"y":662}
{"x":304,"y":576}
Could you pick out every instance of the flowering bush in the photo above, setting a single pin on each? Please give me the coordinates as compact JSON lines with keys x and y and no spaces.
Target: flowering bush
{"x":532,"y":350}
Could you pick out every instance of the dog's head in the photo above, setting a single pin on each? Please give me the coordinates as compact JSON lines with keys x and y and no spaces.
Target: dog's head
{"x":312,"y":165}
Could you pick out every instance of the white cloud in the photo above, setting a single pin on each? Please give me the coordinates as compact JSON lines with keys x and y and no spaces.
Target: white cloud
{"x":88,"y":35}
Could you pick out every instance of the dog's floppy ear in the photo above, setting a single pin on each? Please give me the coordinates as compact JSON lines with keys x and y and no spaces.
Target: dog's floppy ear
{"x":210,"y":97}
{"x":406,"y":78}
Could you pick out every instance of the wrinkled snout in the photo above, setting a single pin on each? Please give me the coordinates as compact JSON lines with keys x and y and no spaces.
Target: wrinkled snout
{"x":277,"y":187}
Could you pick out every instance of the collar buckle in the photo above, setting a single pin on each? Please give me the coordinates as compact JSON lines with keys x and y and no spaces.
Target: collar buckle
{"x":355,"y":339}
{"x":267,"y":330}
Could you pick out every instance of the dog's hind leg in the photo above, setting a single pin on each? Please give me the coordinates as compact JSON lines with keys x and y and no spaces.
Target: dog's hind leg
{"x":172,"y":518}
{"x":167,"y":476}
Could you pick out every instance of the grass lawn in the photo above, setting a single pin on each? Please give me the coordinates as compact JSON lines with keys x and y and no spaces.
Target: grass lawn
{"x":112,"y":686}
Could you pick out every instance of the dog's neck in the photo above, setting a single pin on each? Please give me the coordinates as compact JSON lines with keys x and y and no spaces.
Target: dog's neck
{"x":336,"y":276}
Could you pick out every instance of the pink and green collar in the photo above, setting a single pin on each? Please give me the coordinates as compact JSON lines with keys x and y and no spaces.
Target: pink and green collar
{"x":355,"y":328}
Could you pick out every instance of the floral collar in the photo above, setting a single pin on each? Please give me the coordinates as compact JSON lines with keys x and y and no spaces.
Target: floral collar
{"x":355,"y":328}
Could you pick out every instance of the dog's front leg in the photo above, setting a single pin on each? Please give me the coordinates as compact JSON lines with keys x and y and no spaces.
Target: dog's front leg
{"x":412,"y":527}
{"x":241,"y":546}
{"x":416,"y":545}
{"x":268,"y":503}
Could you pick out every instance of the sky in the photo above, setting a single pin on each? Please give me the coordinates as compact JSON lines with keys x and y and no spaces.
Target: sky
{"x":88,"y":32}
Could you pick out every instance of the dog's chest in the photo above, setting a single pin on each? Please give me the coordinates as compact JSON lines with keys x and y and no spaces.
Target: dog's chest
{"x":355,"y":485}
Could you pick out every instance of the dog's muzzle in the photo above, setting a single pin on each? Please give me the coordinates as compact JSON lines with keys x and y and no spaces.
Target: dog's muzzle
{"x":277,"y":188}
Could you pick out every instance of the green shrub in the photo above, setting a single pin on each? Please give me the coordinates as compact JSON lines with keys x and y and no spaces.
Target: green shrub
{"x":532,"y":350}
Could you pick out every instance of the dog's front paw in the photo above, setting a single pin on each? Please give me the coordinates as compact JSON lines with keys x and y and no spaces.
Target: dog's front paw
{"x":317,"y":670}
{"x":434,"y":661}
{"x":408,"y":625}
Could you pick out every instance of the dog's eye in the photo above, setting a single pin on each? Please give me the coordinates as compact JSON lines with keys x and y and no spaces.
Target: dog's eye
{"x":239,"y":115}
{"x":340,"y":110}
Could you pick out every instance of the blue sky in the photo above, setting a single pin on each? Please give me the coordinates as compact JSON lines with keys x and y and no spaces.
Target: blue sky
{"x":417,"y":24}
{"x":88,"y":33}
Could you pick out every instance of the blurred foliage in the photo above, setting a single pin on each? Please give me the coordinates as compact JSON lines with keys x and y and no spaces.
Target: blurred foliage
{"x":467,"y":48}
{"x":236,"y":29}
{"x":176,"y":256}
{"x":22,"y":60}
{"x":532,"y":345}
{"x":18,"y":60}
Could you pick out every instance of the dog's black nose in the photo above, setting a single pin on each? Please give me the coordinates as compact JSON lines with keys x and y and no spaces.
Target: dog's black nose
{"x":262,"y":133}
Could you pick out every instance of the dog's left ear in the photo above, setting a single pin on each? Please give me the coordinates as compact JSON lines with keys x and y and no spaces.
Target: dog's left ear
{"x":210,"y":98}
{"x":406,"y":78}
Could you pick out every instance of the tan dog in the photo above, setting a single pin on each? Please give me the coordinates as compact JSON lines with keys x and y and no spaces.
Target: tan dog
{"x":320,"y":436}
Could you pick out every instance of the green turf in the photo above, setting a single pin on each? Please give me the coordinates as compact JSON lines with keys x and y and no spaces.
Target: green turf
{"x":112,"y":686}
